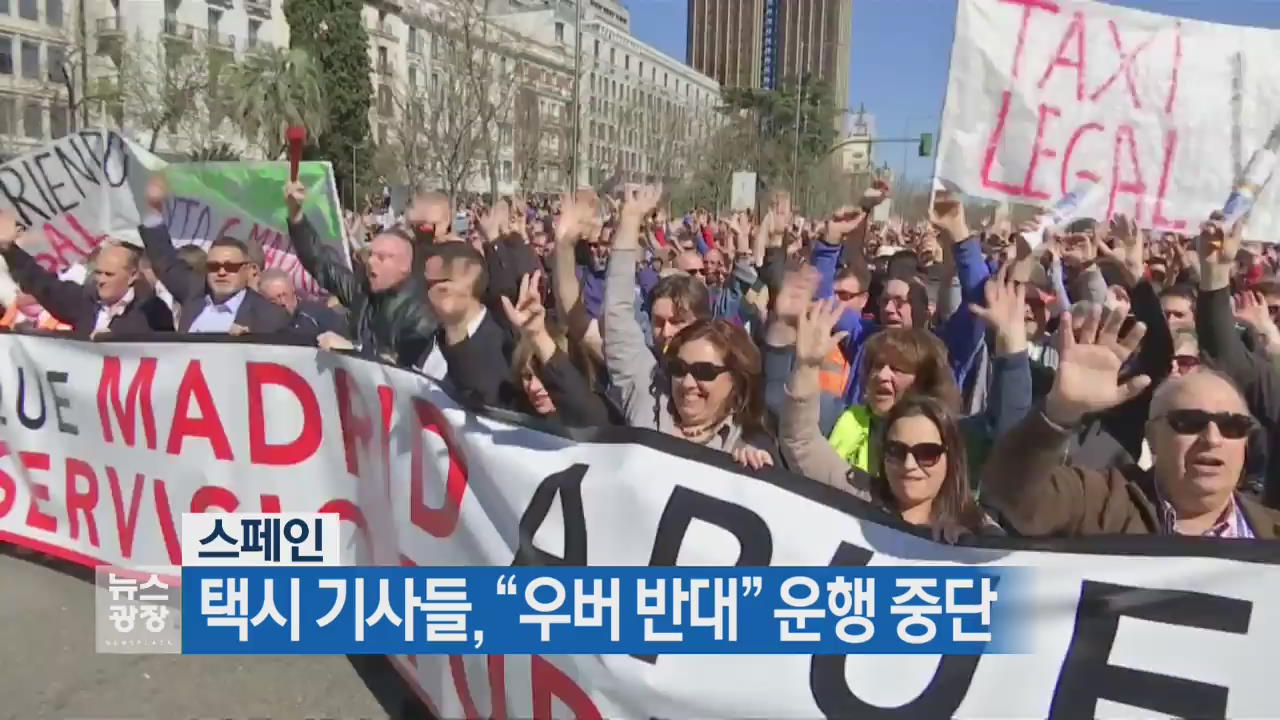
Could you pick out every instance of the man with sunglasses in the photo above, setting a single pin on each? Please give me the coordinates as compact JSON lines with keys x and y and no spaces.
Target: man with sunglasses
{"x":1198,"y":430}
{"x":220,"y":301}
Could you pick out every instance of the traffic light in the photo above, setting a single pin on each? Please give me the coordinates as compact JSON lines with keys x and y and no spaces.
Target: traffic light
{"x":926,"y":144}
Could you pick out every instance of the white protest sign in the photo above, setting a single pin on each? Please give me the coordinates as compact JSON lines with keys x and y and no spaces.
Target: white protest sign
{"x":131,"y":435}
{"x":744,"y":191}
{"x":1044,"y":94}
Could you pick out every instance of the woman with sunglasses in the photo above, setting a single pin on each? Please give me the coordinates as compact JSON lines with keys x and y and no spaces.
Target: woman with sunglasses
{"x":1198,"y":431}
{"x":708,"y":388}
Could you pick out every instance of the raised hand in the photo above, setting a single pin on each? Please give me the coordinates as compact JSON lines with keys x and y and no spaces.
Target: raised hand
{"x":639,"y":201}
{"x":490,"y":223}
{"x":844,"y":221}
{"x":157,"y":192}
{"x":527,"y":314}
{"x":1090,"y":359}
{"x":576,"y":215}
{"x":1005,"y":311}
{"x":10,"y":231}
{"x":295,"y":196}
{"x":814,"y":340}
{"x":874,"y":195}
{"x":1127,"y":249}
{"x":947,"y":214}
{"x":1251,"y":309}
{"x":796,"y":294}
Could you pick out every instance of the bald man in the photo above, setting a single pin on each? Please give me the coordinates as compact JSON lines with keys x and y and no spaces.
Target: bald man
{"x":1198,"y":429}
{"x":114,"y":298}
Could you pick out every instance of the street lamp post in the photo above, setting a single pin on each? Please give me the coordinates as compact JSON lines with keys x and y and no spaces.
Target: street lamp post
{"x":577,"y":89}
{"x":795,"y":151}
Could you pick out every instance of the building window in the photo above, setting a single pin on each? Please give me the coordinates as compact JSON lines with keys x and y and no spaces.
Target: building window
{"x":506,"y":171}
{"x":613,"y":56}
{"x":597,"y":42}
{"x":33,"y":121}
{"x":58,"y":121}
{"x":413,"y":78}
{"x":626,"y":62}
{"x":6,"y":54}
{"x":214,"y":17}
{"x":413,"y":39}
{"x":31,"y":59}
{"x":255,"y":26}
{"x":640,"y":70}
{"x":28,"y":9}
{"x":8,"y":116}
{"x":53,"y":12}
{"x":559,"y":32}
{"x":56,"y":57}
{"x":4,"y":7}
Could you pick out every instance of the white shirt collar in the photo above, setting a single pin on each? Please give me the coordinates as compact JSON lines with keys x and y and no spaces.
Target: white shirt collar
{"x":230,"y":305}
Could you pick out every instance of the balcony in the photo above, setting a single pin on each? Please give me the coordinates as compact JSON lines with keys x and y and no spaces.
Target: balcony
{"x":220,"y":41}
{"x":387,"y":69}
{"x":383,"y":30}
{"x":258,"y":8}
{"x":110,"y":31}
{"x":180,"y":31}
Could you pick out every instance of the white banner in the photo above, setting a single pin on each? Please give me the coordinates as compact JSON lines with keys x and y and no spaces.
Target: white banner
{"x":1161,"y":112}
{"x":107,"y":444}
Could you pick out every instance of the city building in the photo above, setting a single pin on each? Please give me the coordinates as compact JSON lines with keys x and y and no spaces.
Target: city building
{"x":766,"y":43}
{"x":642,"y":114}
{"x":37,"y":41}
{"x":855,"y":147}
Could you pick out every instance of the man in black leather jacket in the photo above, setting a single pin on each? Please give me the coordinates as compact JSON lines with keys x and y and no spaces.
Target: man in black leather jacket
{"x":385,"y":301}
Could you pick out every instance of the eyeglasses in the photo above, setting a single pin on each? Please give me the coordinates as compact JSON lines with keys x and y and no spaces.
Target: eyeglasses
{"x":846,"y":296}
{"x":701,"y":371}
{"x":1233,"y":426}
{"x":231,"y":267}
{"x":1186,"y":363}
{"x":926,"y":454}
{"x":697,"y":271}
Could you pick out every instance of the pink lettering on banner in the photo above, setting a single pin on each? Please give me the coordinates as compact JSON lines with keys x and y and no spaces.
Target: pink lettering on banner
{"x":1086,"y":98}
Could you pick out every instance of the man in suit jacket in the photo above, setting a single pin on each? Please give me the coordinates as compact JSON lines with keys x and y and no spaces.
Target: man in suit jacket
{"x":309,"y":318}
{"x":220,"y":301}
{"x":114,"y":298}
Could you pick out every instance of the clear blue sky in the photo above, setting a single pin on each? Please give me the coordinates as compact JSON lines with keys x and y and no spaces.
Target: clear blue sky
{"x":901,"y":49}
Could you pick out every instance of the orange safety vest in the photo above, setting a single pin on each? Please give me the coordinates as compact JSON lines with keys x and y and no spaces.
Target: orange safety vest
{"x":46,"y":321}
{"x":833,"y":375}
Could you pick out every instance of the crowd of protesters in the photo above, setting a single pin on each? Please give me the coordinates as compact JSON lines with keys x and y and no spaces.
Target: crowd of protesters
{"x":971,"y":380}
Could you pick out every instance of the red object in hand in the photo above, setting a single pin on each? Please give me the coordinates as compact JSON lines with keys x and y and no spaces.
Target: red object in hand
{"x":296,"y":135}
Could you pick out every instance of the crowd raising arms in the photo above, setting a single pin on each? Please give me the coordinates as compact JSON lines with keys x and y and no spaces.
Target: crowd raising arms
{"x":949,"y":377}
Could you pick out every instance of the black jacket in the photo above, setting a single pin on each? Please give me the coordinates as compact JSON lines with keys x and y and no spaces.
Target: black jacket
{"x":577,"y":405}
{"x":311,"y":318}
{"x":190,"y":290}
{"x":396,"y":323}
{"x":480,"y":365}
{"x":77,"y":305}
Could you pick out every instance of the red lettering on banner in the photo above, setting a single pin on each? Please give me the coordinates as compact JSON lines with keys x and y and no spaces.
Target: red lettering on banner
{"x":1177,"y":67}
{"x":1166,"y":171}
{"x":1028,"y":6}
{"x":1134,"y":186}
{"x":357,"y":427}
{"x":496,"y":665}
{"x":1076,"y":137}
{"x":1127,"y":62}
{"x":206,"y":425}
{"x":37,"y":518}
{"x":440,"y":521}
{"x":307,"y":442}
{"x":1038,"y":151}
{"x":82,"y":502}
{"x":63,"y":246}
{"x":1075,"y":31}
{"x":549,"y":682}
{"x":165,"y":514}
{"x":126,"y":524}
{"x":139,"y":398}
{"x":91,"y":240}
{"x":213,"y":496}
{"x":8,"y":488}
{"x":269,"y":503}
{"x":993,"y":147}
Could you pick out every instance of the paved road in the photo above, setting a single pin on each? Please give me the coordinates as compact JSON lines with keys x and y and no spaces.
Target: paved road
{"x":48,"y":668}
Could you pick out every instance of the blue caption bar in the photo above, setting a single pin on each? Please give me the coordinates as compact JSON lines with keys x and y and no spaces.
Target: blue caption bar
{"x":596,"y":610}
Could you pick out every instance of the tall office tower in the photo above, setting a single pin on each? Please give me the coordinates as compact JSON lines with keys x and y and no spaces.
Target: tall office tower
{"x":766,"y":43}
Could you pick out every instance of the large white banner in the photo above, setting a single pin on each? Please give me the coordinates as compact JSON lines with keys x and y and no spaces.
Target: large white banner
{"x":107,"y":444}
{"x":1162,"y":113}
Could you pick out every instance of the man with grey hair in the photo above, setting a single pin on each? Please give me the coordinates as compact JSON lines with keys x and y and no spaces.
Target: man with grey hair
{"x":1198,"y":430}
{"x":308,"y":319}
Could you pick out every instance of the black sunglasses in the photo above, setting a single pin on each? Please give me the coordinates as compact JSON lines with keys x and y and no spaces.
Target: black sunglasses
{"x":697,"y":271}
{"x":702,"y":371}
{"x":1233,"y":426}
{"x":231,"y":267}
{"x":926,"y":454}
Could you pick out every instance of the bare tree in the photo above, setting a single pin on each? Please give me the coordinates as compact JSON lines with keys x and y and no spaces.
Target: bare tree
{"x":441,"y":138}
{"x":162,"y":81}
{"x":527,"y":139}
{"x":72,"y":75}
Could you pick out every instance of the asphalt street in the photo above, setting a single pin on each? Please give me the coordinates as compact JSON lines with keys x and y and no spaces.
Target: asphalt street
{"x":49,"y":668}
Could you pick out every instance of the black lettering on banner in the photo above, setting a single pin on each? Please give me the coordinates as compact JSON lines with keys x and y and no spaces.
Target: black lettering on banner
{"x":1087,"y":676}
{"x":9,"y":177}
{"x":31,"y":423}
{"x":54,"y":186}
{"x":568,"y":485}
{"x":56,"y":378}
{"x":70,"y":167}
{"x":835,"y":699}
{"x":35,"y":180}
{"x":92,"y":140}
{"x":117,"y":161}
{"x":683,"y":507}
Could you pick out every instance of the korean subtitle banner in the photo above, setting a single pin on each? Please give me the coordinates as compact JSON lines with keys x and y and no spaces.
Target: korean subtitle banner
{"x":600,"y":611}
{"x":248,"y":539}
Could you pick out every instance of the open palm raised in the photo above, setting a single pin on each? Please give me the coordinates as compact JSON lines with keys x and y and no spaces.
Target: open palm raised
{"x":1091,"y":357}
